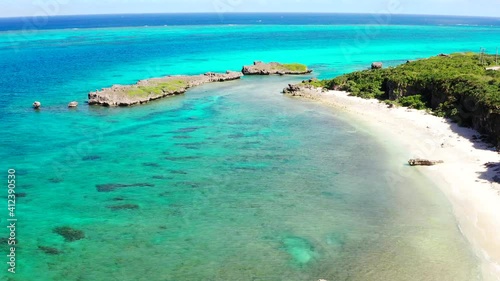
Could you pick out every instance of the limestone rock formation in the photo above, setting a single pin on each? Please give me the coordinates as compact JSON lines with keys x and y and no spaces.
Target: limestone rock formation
{"x":37,"y":105}
{"x":377,"y":65}
{"x":73,"y":104}
{"x":148,"y":90}
{"x":275,"y":68}
{"x":303,"y":90}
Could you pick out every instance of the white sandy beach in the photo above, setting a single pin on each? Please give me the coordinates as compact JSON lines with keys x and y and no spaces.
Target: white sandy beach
{"x":463,"y":177}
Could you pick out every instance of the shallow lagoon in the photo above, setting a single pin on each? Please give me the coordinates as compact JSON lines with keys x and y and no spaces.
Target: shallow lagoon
{"x":231,"y":181}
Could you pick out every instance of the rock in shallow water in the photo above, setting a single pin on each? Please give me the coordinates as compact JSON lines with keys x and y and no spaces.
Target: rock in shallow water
{"x":303,"y":90}
{"x":377,"y":65}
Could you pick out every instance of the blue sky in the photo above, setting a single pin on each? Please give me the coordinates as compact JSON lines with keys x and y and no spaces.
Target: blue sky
{"x":12,"y":8}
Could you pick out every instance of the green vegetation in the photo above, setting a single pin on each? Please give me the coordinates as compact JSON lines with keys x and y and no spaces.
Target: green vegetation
{"x":295,"y":67}
{"x":157,"y":89}
{"x":416,"y":102}
{"x":316,"y":83}
{"x":456,"y":86}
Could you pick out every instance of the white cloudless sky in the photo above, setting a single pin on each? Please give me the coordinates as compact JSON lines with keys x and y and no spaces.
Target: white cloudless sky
{"x":16,"y":8}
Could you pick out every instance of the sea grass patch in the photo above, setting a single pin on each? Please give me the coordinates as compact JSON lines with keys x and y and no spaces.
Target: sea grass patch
{"x":178,"y":172}
{"x":56,"y":180}
{"x":113,"y":186}
{"x":151,"y":164}
{"x":50,"y":250}
{"x":161,"y":177}
{"x":91,"y":158}
{"x":70,"y":234}
{"x":123,"y":207}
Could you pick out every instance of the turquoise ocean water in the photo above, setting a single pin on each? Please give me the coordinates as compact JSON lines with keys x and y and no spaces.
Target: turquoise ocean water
{"x":231,"y":181}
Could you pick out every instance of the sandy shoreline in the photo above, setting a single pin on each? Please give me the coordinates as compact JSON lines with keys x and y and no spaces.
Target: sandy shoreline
{"x":464,"y":178}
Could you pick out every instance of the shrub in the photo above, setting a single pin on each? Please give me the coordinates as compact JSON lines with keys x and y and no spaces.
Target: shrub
{"x":414,"y":101}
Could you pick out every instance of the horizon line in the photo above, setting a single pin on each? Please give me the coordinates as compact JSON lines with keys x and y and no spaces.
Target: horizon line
{"x":235,"y":13}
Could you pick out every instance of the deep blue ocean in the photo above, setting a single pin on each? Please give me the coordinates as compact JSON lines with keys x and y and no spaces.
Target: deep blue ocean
{"x":230,"y":181}
{"x":134,"y":20}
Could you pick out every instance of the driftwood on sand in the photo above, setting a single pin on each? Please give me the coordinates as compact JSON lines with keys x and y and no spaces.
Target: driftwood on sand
{"x":424,"y":162}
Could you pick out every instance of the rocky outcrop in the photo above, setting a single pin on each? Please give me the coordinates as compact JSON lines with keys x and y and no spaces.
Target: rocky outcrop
{"x":37,"y":105}
{"x":152,"y":89}
{"x":73,"y":104}
{"x":377,"y":65}
{"x":423,"y":162}
{"x":304,"y":90}
{"x":275,"y":68}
